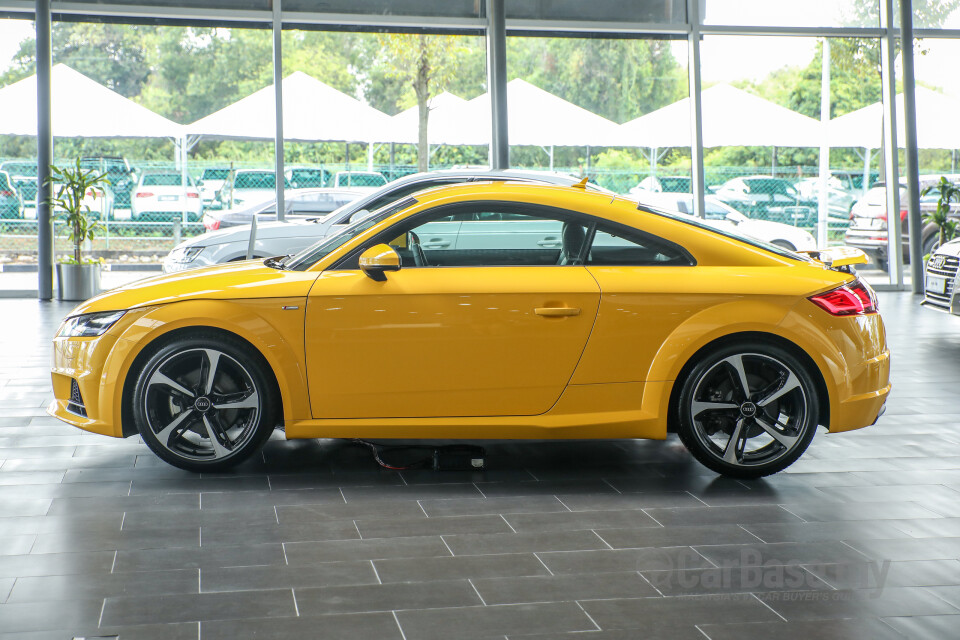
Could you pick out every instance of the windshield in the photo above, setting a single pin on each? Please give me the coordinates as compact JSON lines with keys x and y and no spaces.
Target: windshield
{"x":360,"y":180}
{"x":696,"y":222}
{"x":311,"y":255}
{"x":162,"y":180}
{"x":19,"y":168}
{"x":215,"y":174}
{"x":261,"y":180}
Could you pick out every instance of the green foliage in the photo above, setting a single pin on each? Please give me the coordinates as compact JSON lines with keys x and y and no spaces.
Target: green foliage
{"x":72,"y":184}
{"x":420,"y":61}
{"x":617,"y":79}
{"x":941,"y":215}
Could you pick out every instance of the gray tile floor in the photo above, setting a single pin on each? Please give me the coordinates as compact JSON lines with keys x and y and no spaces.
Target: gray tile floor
{"x":598,"y":540}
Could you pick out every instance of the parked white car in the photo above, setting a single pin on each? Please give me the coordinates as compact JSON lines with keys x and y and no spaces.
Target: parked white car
{"x":162,"y":197}
{"x":723,"y":216}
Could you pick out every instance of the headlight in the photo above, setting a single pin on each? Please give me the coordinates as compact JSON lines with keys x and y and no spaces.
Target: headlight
{"x":89,"y":324}
{"x":183,"y":255}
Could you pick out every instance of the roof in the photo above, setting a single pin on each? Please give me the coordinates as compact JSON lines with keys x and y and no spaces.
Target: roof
{"x":731,"y":117}
{"x":81,"y":108}
{"x":312,"y":111}
{"x":937,"y":126}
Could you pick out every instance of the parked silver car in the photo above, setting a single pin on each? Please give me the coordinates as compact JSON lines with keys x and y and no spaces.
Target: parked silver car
{"x":282,"y":238}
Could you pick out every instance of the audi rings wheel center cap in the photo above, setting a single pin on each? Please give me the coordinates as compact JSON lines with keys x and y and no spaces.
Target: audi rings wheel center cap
{"x":747,"y":409}
{"x":202,"y":404}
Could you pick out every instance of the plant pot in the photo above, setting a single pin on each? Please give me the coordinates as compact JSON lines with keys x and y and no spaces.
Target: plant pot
{"x":78,"y":281}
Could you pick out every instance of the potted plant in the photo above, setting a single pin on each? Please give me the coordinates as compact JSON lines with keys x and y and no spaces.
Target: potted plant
{"x":946,"y":227}
{"x":78,"y":278}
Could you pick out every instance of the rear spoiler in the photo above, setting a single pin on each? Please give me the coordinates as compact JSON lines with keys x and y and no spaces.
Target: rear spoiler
{"x":839,"y":258}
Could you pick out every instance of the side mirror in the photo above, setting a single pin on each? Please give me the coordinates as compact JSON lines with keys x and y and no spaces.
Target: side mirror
{"x":377,"y":260}
{"x":736,"y":217}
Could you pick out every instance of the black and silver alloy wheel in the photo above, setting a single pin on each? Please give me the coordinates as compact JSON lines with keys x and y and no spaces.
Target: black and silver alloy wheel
{"x":203,"y":404}
{"x":748,"y":411}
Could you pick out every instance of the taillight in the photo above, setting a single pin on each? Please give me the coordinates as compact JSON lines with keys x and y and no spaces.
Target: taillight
{"x":213,"y":225}
{"x":144,"y":194}
{"x":193,"y":194}
{"x":903,"y":215}
{"x":854,"y":299}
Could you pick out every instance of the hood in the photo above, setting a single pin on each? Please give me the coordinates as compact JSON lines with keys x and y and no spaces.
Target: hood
{"x":234,"y":280}
{"x":292,"y":229}
{"x":951,"y":248}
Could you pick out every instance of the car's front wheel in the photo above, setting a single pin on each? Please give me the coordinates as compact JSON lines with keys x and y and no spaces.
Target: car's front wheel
{"x":204,"y":403}
{"x":748,"y":410}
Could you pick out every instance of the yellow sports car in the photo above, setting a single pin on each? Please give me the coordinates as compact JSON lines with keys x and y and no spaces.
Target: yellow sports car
{"x":488,"y":311}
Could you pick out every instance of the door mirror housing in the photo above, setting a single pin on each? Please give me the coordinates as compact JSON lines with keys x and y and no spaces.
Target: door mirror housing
{"x":377,"y":260}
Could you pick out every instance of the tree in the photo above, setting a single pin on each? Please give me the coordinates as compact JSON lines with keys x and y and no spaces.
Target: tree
{"x":421,"y":61}
{"x":617,"y":79}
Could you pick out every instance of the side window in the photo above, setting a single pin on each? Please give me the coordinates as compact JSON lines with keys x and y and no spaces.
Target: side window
{"x":614,"y":246}
{"x":491,"y":236}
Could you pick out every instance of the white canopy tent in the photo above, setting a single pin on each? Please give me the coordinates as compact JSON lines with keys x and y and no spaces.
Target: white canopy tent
{"x":312,"y":112}
{"x":731,"y":118}
{"x":82,"y":108}
{"x":539,"y":118}
{"x":535,"y":117}
{"x":445,"y":112}
{"x":937,"y":125}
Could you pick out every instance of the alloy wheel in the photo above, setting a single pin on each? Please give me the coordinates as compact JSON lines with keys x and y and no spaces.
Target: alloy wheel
{"x":750,"y":410}
{"x":201,"y":404}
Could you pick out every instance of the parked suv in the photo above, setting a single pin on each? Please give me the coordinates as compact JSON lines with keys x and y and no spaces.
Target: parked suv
{"x":940,"y":284}
{"x":210,"y":182}
{"x":868,"y":222}
{"x":122,"y":176}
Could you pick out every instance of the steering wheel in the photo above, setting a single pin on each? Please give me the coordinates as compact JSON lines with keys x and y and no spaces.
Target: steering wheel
{"x":419,"y":259}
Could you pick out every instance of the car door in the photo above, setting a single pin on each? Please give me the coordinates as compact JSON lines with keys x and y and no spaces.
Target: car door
{"x":494,"y":335}
{"x":650,"y":287}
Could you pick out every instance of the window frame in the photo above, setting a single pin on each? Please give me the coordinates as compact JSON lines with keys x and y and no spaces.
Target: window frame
{"x":351,"y":261}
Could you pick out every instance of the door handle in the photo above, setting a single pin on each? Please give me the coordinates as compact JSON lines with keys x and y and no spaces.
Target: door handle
{"x":556,"y":312}
{"x":552,"y":243}
{"x":436,"y":243}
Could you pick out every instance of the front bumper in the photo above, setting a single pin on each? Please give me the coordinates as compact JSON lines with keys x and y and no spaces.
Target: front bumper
{"x":93,"y":364}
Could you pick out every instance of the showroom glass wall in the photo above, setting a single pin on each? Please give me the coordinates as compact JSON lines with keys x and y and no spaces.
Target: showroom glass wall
{"x":658,"y":21}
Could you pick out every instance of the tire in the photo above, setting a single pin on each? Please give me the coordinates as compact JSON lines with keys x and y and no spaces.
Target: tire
{"x":784,"y":244}
{"x":775,"y":419}
{"x":201,"y":424}
{"x":930,"y":244}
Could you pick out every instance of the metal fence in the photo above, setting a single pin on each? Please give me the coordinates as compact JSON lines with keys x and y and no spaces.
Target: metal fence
{"x":150,"y":210}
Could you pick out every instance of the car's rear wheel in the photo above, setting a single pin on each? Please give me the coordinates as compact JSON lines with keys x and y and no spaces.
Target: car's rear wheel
{"x":789,"y":246}
{"x":204,"y":403}
{"x":748,"y":410}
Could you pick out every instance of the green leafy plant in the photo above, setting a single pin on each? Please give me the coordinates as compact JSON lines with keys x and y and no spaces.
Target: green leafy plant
{"x":949,"y":192}
{"x":72,"y":184}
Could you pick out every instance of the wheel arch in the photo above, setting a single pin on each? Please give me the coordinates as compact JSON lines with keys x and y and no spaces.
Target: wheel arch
{"x":750,"y":337}
{"x":129,"y":382}
{"x":278,"y":343}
